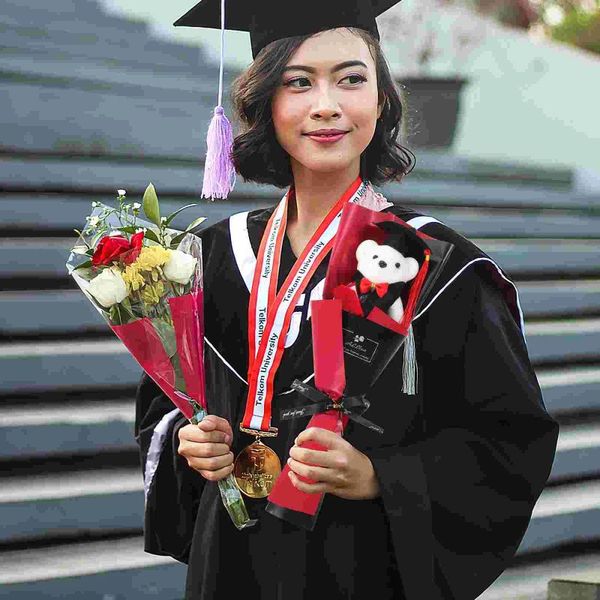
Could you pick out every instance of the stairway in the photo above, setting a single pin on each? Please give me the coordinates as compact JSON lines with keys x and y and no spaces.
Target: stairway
{"x":90,"y":103}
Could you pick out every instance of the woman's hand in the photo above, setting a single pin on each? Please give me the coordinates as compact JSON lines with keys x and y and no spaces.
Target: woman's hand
{"x":206,"y":447}
{"x":341,"y":469}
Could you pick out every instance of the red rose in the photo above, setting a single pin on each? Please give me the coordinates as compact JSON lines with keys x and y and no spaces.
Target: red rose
{"x":111,"y":248}
{"x":134,"y":249}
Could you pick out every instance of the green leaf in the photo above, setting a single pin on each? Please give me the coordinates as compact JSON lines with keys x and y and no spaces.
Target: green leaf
{"x":151,"y":235}
{"x":86,"y":273}
{"x":195,"y":223}
{"x":175,"y":241}
{"x":127,"y":229}
{"x":173,"y":215}
{"x":84,"y":265}
{"x":167,"y":336}
{"x":150,"y":205}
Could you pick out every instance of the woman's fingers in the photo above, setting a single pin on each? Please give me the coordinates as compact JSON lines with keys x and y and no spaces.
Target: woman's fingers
{"x":210,"y":464}
{"x":203,"y":450}
{"x":193,"y":433}
{"x":216,"y":423}
{"x":317,"y":474}
{"x":217,"y":475}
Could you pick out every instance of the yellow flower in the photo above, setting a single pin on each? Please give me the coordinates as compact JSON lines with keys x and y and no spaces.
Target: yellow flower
{"x":152,"y":257}
{"x":152,"y":292}
{"x":133,"y":278}
{"x":149,"y":261}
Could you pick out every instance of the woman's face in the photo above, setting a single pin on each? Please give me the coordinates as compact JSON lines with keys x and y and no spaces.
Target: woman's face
{"x":312,"y":96}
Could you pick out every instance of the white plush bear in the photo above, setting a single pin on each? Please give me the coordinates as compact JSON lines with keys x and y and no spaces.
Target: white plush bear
{"x":379,"y":265}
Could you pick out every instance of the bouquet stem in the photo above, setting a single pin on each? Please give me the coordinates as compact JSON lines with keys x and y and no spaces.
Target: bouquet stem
{"x":230,"y":492}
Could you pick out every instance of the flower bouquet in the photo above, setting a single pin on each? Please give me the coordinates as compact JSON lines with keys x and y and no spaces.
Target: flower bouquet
{"x":354,"y":341}
{"x":145,"y":279}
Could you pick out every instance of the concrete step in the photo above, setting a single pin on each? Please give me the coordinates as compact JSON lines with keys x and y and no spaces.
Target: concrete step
{"x":69,"y":311}
{"x":159,"y":56}
{"x":577,"y":452}
{"x":68,"y":211}
{"x":564,"y":514}
{"x":87,"y":72}
{"x":112,"y":47}
{"x":34,"y":366}
{"x":64,"y":365}
{"x":102,"y":570}
{"x":43,"y":506}
{"x":82,"y":18}
{"x":570,"y":389}
{"x":520,"y":257}
{"x":102,"y":117}
{"x":530,"y":582}
{"x":68,"y":428}
{"x":133,"y":126}
{"x":568,"y":339}
{"x":64,"y":212}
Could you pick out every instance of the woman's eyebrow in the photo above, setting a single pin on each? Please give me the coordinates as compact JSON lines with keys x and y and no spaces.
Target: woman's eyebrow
{"x":338,"y":67}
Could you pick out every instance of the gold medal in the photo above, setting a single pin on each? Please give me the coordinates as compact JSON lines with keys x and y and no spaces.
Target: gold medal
{"x":256,"y":468}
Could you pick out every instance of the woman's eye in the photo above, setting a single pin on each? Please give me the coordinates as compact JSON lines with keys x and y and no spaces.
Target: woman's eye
{"x":375,"y":256}
{"x":292,"y":81}
{"x":359,"y":77}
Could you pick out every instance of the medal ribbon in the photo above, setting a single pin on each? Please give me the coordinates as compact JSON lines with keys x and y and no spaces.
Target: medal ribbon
{"x":269,"y":314}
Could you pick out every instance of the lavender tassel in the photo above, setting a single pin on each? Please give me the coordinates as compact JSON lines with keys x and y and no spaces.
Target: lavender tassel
{"x":219,"y":172}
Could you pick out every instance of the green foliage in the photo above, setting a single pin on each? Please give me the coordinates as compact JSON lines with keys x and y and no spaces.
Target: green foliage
{"x":579,"y":28}
{"x":150,"y":204}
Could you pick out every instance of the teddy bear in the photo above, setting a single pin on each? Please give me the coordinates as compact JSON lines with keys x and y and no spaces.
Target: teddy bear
{"x":383,"y":270}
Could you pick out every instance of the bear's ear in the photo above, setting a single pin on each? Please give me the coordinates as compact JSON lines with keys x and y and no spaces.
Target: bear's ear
{"x":410,"y":268}
{"x":364,"y":250}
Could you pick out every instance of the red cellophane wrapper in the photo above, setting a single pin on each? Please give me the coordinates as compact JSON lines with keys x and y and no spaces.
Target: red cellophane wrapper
{"x":143,"y":342}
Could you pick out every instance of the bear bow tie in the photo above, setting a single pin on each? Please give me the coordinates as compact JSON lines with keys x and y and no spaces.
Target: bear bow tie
{"x":366,"y":285}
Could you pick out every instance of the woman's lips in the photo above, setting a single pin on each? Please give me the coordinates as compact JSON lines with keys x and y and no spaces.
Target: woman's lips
{"x":325,"y":139}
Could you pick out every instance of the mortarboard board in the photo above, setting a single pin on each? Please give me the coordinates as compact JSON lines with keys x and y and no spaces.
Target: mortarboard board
{"x":270,"y":20}
{"x":404,"y":239}
{"x":266,"y":21}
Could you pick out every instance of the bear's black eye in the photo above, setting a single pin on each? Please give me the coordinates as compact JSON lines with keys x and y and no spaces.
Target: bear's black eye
{"x":375,"y":256}
{"x":397,"y":265}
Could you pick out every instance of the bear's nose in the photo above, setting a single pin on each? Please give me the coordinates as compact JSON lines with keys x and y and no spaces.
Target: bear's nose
{"x":382,"y":264}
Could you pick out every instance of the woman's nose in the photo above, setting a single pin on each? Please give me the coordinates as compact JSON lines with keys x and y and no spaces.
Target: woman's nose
{"x":326,"y":104}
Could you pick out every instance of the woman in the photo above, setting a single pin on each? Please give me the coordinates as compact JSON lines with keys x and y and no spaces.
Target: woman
{"x":435,"y":507}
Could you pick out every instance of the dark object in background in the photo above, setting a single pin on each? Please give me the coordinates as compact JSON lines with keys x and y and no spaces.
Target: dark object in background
{"x":433,"y":110}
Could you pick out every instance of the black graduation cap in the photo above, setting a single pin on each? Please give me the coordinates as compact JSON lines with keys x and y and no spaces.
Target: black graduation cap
{"x":267,"y":21}
{"x":403,"y":239}
{"x":270,"y":20}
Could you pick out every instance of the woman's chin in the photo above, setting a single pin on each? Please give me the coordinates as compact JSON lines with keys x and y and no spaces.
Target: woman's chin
{"x":326,"y":166}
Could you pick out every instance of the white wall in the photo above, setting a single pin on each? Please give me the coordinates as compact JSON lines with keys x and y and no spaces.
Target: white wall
{"x":530,"y":102}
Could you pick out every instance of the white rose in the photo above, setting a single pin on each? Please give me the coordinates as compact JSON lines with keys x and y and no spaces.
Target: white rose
{"x":108,"y":288}
{"x":121,"y":192}
{"x":180,"y":267}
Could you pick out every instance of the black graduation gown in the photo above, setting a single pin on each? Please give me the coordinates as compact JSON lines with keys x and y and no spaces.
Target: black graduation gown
{"x":461,"y":464}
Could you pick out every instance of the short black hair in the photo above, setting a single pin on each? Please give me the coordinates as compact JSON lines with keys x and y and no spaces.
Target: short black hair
{"x":256,"y":153}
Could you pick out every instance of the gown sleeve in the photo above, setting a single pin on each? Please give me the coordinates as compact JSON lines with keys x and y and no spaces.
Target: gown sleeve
{"x":172,"y":489}
{"x":460,"y":499}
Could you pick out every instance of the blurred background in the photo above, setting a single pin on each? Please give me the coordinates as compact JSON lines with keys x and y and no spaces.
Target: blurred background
{"x":97,"y":95}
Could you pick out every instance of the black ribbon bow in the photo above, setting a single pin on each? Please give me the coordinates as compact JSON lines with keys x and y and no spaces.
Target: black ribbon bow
{"x":353,"y":406}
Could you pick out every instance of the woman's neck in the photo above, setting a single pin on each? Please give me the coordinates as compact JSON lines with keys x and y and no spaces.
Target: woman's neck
{"x":315,"y":195}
